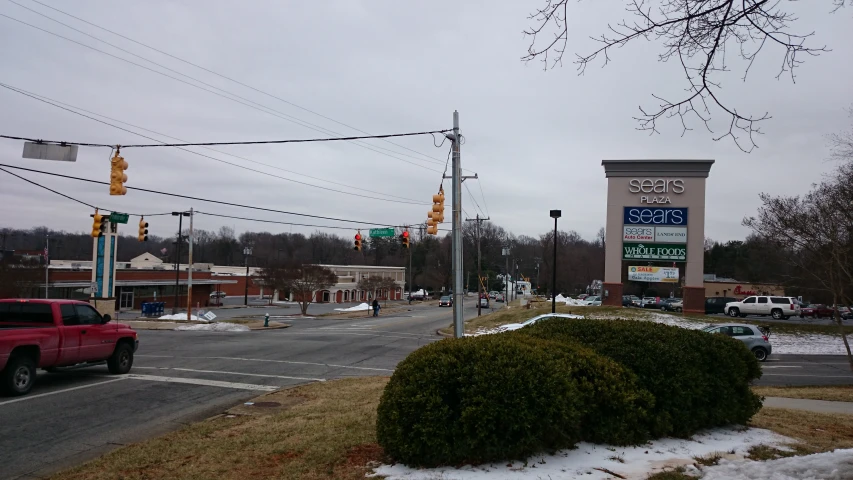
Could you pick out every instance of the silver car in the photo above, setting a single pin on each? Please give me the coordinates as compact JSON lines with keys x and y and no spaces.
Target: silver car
{"x":755,"y":340}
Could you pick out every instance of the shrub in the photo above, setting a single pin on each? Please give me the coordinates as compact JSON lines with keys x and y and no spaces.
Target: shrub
{"x":698,"y":380}
{"x":499,"y":397}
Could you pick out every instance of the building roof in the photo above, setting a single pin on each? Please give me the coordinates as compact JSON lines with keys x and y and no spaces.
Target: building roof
{"x":140,"y":283}
{"x":146,"y":258}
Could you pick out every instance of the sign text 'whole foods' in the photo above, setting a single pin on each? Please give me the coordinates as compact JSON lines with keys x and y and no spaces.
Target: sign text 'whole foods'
{"x":654,"y":251}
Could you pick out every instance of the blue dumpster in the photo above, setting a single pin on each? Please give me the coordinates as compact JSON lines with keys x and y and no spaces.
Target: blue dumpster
{"x":145,"y":308}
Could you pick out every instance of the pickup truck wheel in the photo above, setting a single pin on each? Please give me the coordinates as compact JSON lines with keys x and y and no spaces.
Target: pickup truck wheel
{"x":777,"y":314}
{"x":678,"y":309}
{"x":734,"y":312}
{"x":121,"y":360}
{"x":19,"y":375}
{"x":760,"y":354}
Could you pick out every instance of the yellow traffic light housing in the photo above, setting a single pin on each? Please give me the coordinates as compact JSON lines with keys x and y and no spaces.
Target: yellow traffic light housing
{"x":99,"y":224}
{"x":117,"y":176}
{"x":436,"y":215}
{"x":143,"y":230}
{"x":357,"y":241}
{"x":404,"y":239}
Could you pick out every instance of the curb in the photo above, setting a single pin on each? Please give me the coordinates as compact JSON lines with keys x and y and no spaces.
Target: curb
{"x":271,"y":327}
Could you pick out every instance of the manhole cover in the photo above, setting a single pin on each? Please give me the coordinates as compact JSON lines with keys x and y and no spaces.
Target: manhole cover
{"x":266,"y":404}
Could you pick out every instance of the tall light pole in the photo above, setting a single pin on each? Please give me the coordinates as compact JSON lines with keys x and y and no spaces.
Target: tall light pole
{"x":555,"y":214}
{"x":180,"y":216}
{"x":246,"y":252}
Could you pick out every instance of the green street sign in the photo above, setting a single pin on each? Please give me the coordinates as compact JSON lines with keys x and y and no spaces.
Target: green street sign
{"x":381,"y":232}
{"x":116,"y":217}
{"x":654,"y":251}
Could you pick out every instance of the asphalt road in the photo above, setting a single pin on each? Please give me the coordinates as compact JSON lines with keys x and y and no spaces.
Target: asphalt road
{"x":181,"y":377}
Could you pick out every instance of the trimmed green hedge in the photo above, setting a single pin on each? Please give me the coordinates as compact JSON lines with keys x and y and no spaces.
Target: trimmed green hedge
{"x":498,"y":397}
{"x":699,"y":380}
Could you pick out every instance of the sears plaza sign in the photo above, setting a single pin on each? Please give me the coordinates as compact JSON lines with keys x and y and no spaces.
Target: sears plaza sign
{"x":656,"y":190}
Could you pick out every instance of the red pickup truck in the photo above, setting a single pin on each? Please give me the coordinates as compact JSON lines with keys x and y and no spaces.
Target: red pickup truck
{"x":48,"y":334}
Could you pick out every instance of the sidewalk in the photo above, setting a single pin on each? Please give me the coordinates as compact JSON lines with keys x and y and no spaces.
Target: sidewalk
{"x":160,"y":325}
{"x":818,"y":406}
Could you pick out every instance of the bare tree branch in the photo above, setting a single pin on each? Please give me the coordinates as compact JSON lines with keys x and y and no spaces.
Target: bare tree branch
{"x":697,"y":33}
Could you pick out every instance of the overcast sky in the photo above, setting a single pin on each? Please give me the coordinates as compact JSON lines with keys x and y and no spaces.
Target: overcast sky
{"x":535,"y":138}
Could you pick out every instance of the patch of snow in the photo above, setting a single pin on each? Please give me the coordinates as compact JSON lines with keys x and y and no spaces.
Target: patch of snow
{"x":182,"y":316}
{"x":358,"y":308}
{"x":584,"y":461}
{"x":214,"y":327}
{"x":835,"y":465}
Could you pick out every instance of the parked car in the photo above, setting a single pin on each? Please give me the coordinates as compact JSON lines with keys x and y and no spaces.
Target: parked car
{"x":777,"y":307}
{"x":493,"y":294}
{"x":499,"y":297}
{"x":217,"y":294}
{"x":717,"y":305}
{"x":673,"y":305}
{"x":515,"y":326}
{"x":592,"y":301}
{"x":445,"y":301}
{"x":626,"y":301}
{"x":49,"y":334}
{"x":848,"y":315}
{"x":756,"y":341}
{"x":816,"y":310}
{"x":582,"y":296}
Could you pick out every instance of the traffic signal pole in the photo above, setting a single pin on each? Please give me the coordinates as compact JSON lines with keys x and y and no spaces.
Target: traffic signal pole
{"x":190,"y":272}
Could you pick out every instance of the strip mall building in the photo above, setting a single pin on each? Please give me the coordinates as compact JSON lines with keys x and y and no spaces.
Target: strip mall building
{"x":147,"y":278}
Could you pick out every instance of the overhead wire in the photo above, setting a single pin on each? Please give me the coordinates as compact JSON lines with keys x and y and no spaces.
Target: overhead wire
{"x":261,"y":220}
{"x":189,"y":197}
{"x":241,"y":100}
{"x":482,"y":194}
{"x":36,"y":97}
{"x":218,"y":74}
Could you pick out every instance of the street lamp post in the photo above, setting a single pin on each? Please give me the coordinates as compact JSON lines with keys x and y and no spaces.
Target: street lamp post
{"x":246,"y":252}
{"x":555,"y":214}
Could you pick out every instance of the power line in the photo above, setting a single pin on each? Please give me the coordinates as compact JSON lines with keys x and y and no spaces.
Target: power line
{"x":473,"y":199}
{"x":249,"y":142}
{"x":188,"y":197}
{"x":214,"y":73}
{"x":45,"y":100}
{"x":78,"y":200}
{"x":261,"y":220}
{"x":256,"y":105}
{"x":484,"y":197}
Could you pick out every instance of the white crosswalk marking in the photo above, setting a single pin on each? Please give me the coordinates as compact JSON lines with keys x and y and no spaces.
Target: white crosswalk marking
{"x":198,"y":381}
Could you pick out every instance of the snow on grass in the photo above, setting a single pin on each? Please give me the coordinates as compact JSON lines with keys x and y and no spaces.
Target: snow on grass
{"x":358,"y":308}
{"x":182,"y":316}
{"x":588,"y":461}
{"x":836,"y":465}
{"x":214,"y":327}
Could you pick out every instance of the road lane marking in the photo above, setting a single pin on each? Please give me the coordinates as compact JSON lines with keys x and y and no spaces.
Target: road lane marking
{"x":331,"y":365}
{"x":234,"y":373}
{"x":208,"y":383}
{"x":31,"y":397}
{"x":353,"y":332}
{"x":781,"y":366}
{"x":798,"y":375}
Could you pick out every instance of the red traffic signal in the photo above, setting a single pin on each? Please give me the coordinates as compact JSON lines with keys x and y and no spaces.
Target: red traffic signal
{"x":357,"y":242}
{"x":404,"y":239}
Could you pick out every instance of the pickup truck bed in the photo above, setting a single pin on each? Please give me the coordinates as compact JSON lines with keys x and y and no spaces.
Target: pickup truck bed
{"x":56,"y":333}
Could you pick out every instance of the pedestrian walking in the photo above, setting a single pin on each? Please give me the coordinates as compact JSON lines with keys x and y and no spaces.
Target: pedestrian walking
{"x":375,"y":307}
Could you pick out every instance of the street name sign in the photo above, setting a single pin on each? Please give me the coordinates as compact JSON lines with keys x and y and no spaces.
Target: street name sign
{"x":381,"y":232}
{"x":116,"y":217}
{"x":49,"y":151}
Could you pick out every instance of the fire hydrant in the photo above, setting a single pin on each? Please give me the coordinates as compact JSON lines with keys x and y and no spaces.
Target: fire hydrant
{"x":267,"y":320}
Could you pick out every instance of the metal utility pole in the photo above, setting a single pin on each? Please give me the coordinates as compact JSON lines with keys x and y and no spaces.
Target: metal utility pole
{"x":555,"y":214}
{"x":190,"y":272}
{"x":505,"y":253}
{"x":480,"y":288}
{"x":246,"y":252}
{"x":46,"y":262}
{"x":410,"y":272}
{"x":180,"y":216}
{"x":458,"y":319}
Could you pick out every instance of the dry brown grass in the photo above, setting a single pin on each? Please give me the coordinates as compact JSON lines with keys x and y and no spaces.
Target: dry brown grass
{"x":832,"y":393}
{"x":818,"y":432}
{"x":327,"y":431}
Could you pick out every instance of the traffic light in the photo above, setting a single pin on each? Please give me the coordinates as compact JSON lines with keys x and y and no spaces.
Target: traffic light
{"x":404,"y":239}
{"x":436,"y":215}
{"x":357,"y":241}
{"x":143,"y":230}
{"x":99,"y":224}
{"x":117,"y":175}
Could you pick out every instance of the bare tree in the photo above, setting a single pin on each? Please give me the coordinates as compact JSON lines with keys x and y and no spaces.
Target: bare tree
{"x":303,"y":281}
{"x":20,"y":278}
{"x":696,"y":34}
{"x":817,"y":233}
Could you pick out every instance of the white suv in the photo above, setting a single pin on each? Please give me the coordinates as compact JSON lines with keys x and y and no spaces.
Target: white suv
{"x":777,"y":307}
